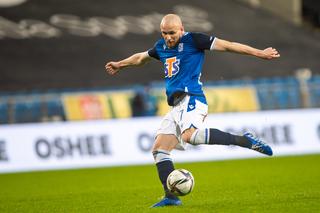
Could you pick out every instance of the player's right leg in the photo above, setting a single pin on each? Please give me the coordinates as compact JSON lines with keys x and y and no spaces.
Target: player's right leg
{"x":161,"y":152}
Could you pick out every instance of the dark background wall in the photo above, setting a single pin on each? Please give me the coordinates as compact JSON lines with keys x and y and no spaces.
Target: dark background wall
{"x":65,"y":44}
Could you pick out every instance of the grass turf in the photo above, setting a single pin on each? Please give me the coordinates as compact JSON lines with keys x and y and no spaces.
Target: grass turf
{"x":278,"y":184}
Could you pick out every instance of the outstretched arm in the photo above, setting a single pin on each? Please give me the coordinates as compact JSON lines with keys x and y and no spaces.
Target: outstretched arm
{"x":223,"y":45}
{"x":137,"y":59}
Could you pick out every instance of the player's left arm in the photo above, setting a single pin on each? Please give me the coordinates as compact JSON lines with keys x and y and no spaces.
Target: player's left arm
{"x":223,"y":45}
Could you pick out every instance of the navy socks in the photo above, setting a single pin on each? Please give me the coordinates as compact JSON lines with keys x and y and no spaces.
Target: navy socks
{"x":215,"y":136}
{"x":224,"y":138}
{"x":165,"y":167}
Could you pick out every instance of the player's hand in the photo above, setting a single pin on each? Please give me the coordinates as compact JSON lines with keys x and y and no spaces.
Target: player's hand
{"x":270,"y":53}
{"x":112,"y":67}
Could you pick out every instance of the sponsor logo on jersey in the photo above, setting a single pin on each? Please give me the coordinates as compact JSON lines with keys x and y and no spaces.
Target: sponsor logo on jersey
{"x":171,"y":67}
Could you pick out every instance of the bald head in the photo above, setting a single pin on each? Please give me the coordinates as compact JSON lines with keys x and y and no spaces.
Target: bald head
{"x":171,"y":20}
{"x":171,"y":29}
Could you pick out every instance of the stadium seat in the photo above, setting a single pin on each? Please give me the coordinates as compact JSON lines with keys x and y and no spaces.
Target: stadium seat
{"x":314,"y":91}
{"x":26,"y":112}
{"x":265,"y":96}
{"x":4,"y":118}
{"x":54,"y":109}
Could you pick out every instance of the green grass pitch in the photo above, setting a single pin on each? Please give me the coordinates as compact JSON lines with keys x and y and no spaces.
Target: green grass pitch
{"x":276,"y":184}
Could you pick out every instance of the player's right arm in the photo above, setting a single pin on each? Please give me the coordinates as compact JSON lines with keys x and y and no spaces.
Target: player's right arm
{"x":137,"y":59}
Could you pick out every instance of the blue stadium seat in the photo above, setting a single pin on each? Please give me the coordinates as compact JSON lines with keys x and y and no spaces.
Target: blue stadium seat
{"x":314,"y":91}
{"x":4,"y":113}
{"x":265,"y":96}
{"x":26,"y":112}
{"x":278,"y":93}
{"x":55,"y":109}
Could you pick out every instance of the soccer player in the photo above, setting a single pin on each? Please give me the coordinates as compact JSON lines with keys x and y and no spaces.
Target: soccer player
{"x":182,"y":54}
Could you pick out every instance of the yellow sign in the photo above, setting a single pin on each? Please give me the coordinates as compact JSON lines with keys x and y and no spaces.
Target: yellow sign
{"x":106,"y":105}
{"x":232,"y":99}
{"x":97,"y":105}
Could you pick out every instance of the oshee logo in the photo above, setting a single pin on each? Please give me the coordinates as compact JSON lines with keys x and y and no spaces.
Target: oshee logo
{"x":69,"y":147}
{"x":3,"y":153}
{"x":171,"y":67}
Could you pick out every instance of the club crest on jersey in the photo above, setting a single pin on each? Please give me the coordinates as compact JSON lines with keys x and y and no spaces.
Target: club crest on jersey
{"x":171,"y":67}
{"x":180,"y":47}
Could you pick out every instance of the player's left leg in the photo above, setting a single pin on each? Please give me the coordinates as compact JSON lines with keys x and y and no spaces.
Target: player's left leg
{"x":194,"y":132}
{"x":215,"y":136}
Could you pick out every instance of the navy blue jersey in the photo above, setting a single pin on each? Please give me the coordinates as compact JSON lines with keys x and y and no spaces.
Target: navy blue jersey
{"x":183,"y":63}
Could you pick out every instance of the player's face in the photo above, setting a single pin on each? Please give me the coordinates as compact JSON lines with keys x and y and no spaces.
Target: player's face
{"x":171,"y":34}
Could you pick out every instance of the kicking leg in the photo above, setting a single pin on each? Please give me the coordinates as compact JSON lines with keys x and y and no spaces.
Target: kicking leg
{"x":215,"y":136}
{"x":161,"y":153}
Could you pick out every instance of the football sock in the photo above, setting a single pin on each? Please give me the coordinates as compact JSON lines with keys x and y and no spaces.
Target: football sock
{"x":165,"y":167}
{"x":215,"y":136}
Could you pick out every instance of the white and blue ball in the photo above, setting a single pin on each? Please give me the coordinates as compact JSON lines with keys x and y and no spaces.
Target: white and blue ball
{"x":180,"y":182}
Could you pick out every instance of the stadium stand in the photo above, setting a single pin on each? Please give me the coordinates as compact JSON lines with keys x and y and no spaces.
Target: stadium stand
{"x":64,"y":44}
{"x":52,"y":57}
{"x":272,"y":94}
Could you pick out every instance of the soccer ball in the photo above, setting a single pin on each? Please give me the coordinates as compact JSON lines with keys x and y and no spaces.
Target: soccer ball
{"x":180,"y":182}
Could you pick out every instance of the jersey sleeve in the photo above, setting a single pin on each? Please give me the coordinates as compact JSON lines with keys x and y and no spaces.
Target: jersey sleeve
{"x":152,"y":52}
{"x":203,"y":41}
